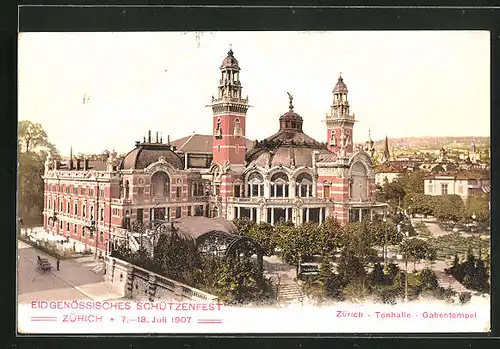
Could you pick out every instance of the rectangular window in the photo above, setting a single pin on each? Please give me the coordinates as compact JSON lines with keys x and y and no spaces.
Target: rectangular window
{"x":61,"y":225}
{"x":76,"y":209}
{"x":189,"y":210}
{"x":91,"y":213}
{"x":102,"y":193}
{"x":48,"y":203}
{"x":84,"y":213}
{"x":91,"y":192}
{"x":140,"y":215}
{"x":101,"y":237}
{"x":140,"y":191}
{"x":326,"y":191}
{"x":237,"y":189}
{"x":67,"y":226}
{"x":255,"y":190}
{"x":178,"y":212}
{"x":178,"y":191}
{"x":102,"y":214}
{"x":68,"y":208}
{"x":444,"y":189}
{"x":75,"y":229}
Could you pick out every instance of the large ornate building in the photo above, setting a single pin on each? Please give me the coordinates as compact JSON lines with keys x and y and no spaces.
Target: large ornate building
{"x":288,"y":176}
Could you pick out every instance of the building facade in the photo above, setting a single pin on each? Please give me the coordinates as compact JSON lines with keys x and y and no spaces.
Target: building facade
{"x":288,"y":176}
{"x":462,"y":183}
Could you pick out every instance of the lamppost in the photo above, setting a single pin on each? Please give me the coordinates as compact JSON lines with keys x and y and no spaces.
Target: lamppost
{"x":405,"y":237}
{"x":473,"y":228}
{"x":384,"y":249}
{"x":92,"y":228}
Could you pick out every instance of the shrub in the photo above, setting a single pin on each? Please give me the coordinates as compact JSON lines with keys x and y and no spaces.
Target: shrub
{"x":389,"y":294}
{"x":464,"y":297}
{"x":427,"y":279}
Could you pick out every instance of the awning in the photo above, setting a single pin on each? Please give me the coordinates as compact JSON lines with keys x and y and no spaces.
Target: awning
{"x":486,"y":188}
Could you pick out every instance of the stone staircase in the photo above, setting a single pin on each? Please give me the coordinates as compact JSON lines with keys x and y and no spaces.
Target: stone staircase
{"x":290,"y":292}
{"x":95,"y":265}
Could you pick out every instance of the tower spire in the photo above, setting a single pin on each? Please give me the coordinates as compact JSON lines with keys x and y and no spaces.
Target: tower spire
{"x":340,"y":118}
{"x":71,"y":153}
{"x":386,"y":156}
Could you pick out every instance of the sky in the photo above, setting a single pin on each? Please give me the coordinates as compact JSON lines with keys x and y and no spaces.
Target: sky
{"x":401,"y":84}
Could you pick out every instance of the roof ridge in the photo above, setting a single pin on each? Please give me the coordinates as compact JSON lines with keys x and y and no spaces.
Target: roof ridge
{"x":183,"y":144}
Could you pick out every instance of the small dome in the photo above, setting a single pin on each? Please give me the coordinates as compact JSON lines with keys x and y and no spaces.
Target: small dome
{"x":146,"y":154}
{"x":230,"y":62}
{"x":340,"y":86}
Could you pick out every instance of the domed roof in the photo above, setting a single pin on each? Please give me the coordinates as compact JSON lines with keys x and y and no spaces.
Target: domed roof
{"x":340,"y":86}
{"x":230,"y":62}
{"x":147,"y":153}
{"x":288,"y":156}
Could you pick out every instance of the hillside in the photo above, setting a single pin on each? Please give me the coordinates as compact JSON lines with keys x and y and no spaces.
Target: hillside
{"x":434,"y":142}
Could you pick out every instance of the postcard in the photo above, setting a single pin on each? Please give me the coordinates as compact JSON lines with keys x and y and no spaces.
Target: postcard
{"x":254,"y":182}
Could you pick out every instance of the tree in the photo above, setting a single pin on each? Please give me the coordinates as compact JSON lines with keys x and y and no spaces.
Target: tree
{"x":31,"y":136}
{"x":176,"y":256}
{"x":412,"y":182}
{"x":477,"y":204}
{"x":418,"y":203}
{"x":297,"y":244}
{"x":448,"y":207}
{"x":241,"y":282}
{"x":33,"y":148}
{"x":330,"y":236}
{"x":415,"y":249}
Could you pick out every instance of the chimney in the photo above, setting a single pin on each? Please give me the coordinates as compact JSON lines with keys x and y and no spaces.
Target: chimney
{"x":149,"y":136}
{"x":56,"y":164}
{"x":70,"y":164}
{"x":157,"y":139}
{"x":161,"y":137}
{"x":85,"y":164}
{"x":168,"y":139}
{"x":78,"y":162}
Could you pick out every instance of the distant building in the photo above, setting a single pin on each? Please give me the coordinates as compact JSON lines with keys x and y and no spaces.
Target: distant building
{"x":462,"y":183}
{"x":387,"y":172}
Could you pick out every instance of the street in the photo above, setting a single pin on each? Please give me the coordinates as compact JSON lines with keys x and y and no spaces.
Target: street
{"x":75,"y":280}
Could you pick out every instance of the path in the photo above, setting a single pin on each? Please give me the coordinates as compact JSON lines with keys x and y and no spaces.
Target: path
{"x":75,"y":280}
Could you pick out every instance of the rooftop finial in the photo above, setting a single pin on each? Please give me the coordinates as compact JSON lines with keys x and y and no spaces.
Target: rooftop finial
{"x":230,"y":53}
{"x":290,"y":96}
{"x":340,"y":76}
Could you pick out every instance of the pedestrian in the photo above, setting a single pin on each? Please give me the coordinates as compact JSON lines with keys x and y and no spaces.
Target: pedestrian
{"x":57,"y":264}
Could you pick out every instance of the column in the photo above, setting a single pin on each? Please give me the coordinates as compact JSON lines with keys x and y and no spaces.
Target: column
{"x":292,"y":189}
{"x":360,"y":214}
{"x":307,"y":213}
{"x":185,"y":161}
{"x":251,"y":213}
{"x":371,"y":214}
{"x":272,"y":215}
{"x":321,"y":215}
{"x":286,"y":214}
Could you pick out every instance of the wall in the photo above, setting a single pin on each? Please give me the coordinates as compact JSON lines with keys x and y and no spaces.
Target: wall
{"x":140,"y":284}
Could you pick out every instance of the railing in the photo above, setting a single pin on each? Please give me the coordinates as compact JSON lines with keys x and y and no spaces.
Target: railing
{"x":287,"y":200}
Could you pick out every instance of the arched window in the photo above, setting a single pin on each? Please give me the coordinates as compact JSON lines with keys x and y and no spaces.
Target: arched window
{"x":255,"y":185}
{"x":279,"y":185}
{"x":237,"y":128}
{"x":358,"y":188}
{"x":215,"y":212}
{"x":304,"y":185}
{"x":160,"y":184}
{"x":333,"y":141}
{"x":218,"y":129}
{"x":140,"y":189}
